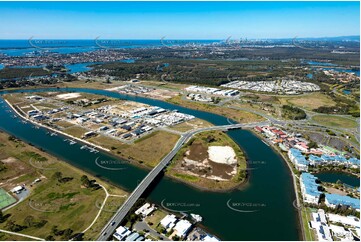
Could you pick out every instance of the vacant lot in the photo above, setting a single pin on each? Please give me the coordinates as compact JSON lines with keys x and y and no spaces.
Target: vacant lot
{"x":237,"y":115}
{"x":194,"y":164}
{"x":150,"y":149}
{"x":334,"y":121}
{"x":309,"y":101}
{"x":192,"y":124}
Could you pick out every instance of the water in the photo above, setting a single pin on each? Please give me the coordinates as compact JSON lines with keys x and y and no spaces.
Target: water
{"x":23,"y":47}
{"x":269,"y":190}
{"x":79,"y":67}
{"x":329,"y":66}
{"x":315,"y":63}
{"x":333,"y":177}
{"x":347,"y":92}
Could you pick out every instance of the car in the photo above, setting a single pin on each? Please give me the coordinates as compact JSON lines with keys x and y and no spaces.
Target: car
{"x":105,"y":234}
{"x":112,"y":223}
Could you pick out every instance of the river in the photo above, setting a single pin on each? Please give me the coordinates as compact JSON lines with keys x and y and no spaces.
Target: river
{"x":261,"y":210}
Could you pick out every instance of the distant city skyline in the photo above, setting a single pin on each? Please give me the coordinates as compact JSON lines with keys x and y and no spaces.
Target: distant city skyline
{"x":178,"y":20}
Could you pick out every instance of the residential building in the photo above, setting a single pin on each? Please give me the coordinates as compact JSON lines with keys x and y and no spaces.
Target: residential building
{"x":309,"y":188}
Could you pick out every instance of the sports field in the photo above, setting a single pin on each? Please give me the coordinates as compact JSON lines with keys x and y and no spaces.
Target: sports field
{"x":5,"y":199}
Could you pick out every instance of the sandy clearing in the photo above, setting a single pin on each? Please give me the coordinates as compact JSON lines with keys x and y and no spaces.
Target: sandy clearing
{"x":222,"y":154}
{"x":66,"y":96}
{"x":9,"y":160}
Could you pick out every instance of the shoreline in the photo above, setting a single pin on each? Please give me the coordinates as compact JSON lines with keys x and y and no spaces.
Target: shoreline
{"x":294,"y":181}
{"x":236,"y":186}
{"x":132,"y":162}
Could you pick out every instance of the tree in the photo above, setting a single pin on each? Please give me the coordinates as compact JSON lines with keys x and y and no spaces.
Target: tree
{"x":29,"y":221}
{"x":57,"y":175}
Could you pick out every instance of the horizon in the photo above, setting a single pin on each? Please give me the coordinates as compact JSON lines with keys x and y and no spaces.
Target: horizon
{"x":179,"y":20}
{"x":220,"y":39}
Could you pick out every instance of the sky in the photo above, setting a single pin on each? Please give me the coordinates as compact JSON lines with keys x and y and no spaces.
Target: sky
{"x":177,"y":20}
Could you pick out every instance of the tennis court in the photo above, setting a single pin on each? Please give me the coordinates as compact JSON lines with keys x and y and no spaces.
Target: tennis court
{"x":5,"y":199}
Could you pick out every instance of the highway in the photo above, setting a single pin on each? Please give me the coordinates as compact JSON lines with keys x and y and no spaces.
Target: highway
{"x":110,"y":227}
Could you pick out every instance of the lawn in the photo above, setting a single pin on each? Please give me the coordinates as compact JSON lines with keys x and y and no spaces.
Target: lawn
{"x":5,"y":199}
{"x":334,"y":121}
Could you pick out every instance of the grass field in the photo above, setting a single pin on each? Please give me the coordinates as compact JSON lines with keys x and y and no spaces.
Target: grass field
{"x":150,"y":149}
{"x":192,"y":124}
{"x":53,"y":201}
{"x":308,"y":101}
{"x":5,"y":199}
{"x":76,"y":131}
{"x":237,"y":115}
{"x":334,"y":121}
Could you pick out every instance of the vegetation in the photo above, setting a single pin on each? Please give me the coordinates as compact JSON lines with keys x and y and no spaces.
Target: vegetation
{"x":293,"y":113}
{"x":62,"y":197}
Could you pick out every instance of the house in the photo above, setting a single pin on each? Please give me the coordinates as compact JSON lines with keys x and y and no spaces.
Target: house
{"x":168,"y":221}
{"x":309,"y":188}
{"x":182,"y":227}
{"x":132,"y":237}
{"x":145,"y":210}
{"x":121,"y":233}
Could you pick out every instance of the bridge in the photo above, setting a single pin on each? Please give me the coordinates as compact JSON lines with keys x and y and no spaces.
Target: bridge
{"x":110,"y":227}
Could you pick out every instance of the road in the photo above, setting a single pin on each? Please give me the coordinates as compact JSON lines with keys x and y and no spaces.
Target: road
{"x":110,"y":227}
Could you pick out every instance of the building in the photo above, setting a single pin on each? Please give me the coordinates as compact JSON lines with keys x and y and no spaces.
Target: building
{"x":182,"y":227}
{"x":145,"y":210}
{"x":309,"y":188}
{"x":314,"y":160}
{"x":298,"y":159}
{"x":319,"y":223}
{"x":346,"y":220}
{"x":168,"y":221}
{"x":121,"y":233}
{"x":132,"y":237}
{"x":333,"y":200}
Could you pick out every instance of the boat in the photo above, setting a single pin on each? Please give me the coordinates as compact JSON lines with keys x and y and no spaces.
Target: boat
{"x":83,"y":147}
{"x":72,"y":142}
{"x":196,"y":217}
{"x":53,"y":134}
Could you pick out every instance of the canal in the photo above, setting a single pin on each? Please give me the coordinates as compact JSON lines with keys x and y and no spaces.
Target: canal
{"x":260,"y":210}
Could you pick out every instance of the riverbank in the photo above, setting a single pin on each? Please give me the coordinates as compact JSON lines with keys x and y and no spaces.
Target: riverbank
{"x":297,"y":190}
{"x":56,"y":197}
{"x":142,"y":150}
{"x":197,"y":165}
{"x":275,"y":193}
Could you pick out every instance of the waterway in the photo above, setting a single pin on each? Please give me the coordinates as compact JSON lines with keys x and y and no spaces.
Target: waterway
{"x":261,"y":210}
{"x":331,"y":176}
